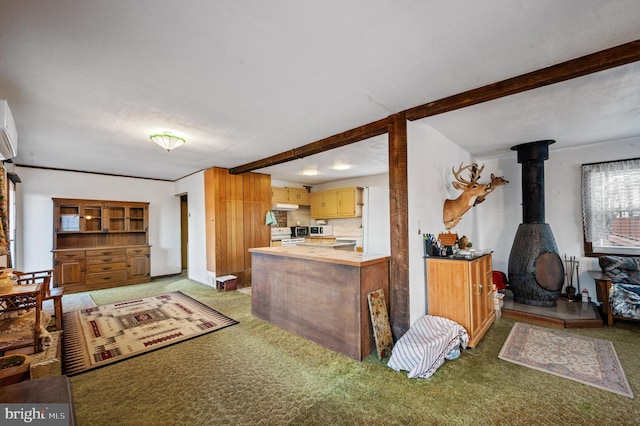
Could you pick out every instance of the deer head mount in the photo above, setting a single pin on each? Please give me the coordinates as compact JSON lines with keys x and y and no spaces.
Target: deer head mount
{"x":473,"y":193}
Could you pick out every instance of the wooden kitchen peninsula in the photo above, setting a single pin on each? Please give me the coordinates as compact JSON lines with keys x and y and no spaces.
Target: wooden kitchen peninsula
{"x":319,"y":294}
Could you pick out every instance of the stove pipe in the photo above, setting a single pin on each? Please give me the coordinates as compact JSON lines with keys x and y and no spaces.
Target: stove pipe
{"x":536,"y":272}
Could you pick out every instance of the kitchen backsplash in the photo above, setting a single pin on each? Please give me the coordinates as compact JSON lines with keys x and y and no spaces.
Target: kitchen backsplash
{"x":350,"y":227}
{"x":281,"y":218}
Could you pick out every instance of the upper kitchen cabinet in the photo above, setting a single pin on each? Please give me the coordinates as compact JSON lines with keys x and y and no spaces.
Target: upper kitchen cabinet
{"x":290,"y":195}
{"x":337,"y":203}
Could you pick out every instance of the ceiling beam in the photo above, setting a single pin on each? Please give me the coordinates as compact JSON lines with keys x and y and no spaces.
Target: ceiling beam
{"x":600,"y":61}
{"x":603,"y":60}
{"x":283,"y":157}
{"x":358,"y":134}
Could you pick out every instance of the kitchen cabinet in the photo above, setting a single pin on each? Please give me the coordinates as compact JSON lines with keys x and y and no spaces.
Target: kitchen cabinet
{"x":462,"y":291}
{"x":290,"y":195}
{"x":100,"y":244}
{"x":337,"y":203}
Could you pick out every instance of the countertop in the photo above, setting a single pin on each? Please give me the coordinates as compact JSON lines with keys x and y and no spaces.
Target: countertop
{"x":326,"y":244}
{"x":321,"y":254}
{"x":458,"y":257}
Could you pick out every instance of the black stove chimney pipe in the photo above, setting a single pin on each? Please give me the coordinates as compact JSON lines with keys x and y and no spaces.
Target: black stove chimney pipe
{"x":532,"y":156}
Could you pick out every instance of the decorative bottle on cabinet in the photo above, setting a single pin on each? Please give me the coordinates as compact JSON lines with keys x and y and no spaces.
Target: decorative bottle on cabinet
{"x":461,"y":290}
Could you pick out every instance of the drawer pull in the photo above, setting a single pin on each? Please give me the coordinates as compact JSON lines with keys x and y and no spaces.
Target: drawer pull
{"x":106,"y":278}
{"x":70,"y":255}
{"x":108,"y":259}
{"x":106,"y":252}
{"x":107,"y":268}
{"x":137,"y":251}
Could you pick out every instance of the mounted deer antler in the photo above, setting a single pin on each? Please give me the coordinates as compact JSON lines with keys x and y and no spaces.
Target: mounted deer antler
{"x":472,"y":193}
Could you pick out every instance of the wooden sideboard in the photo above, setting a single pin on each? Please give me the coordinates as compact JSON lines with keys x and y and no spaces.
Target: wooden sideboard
{"x":100,"y":244}
{"x":461,"y":290}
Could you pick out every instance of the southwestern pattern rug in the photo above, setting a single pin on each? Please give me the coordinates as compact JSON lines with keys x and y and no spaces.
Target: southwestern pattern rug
{"x":101,"y":335}
{"x":586,"y":360}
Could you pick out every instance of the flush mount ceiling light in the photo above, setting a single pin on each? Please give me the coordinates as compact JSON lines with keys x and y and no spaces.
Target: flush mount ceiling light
{"x":310,"y":172}
{"x":341,"y":166}
{"x":167,"y":140}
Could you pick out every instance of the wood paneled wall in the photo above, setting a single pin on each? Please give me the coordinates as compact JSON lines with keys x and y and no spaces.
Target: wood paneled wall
{"x":236,"y":206}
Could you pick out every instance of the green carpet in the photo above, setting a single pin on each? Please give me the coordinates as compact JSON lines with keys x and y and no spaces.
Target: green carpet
{"x":255,"y":373}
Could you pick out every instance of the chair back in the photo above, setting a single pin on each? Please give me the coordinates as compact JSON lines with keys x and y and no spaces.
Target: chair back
{"x":44,"y":277}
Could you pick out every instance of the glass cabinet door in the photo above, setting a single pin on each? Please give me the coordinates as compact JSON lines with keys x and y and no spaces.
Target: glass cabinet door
{"x":69,"y":218}
{"x":91,"y":218}
{"x":117,"y":218}
{"x":137,"y":219}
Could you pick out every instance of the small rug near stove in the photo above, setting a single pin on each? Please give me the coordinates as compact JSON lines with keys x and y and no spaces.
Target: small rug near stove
{"x":105,"y":334}
{"x":586,"y":360}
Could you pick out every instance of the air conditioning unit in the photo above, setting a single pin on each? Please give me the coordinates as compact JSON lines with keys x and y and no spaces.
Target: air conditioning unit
{"x":8,"y":132}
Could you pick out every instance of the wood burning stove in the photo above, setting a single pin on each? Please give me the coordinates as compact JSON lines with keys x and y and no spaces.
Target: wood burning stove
{"x":536,"y":272}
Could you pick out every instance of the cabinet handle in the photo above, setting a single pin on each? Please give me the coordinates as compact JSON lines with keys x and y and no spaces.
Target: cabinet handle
{"x":70,"y":255}
{"x":107,"y":268}
{"x":106,"y":252}
{"x":480,"y":287}
{"x":108,"y":259}
{"x":107,"y":278}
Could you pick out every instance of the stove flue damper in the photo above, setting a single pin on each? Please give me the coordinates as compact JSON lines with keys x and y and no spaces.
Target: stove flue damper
{"x":536,"y":272}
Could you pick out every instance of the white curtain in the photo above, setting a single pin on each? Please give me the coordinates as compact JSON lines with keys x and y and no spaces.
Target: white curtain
{"x":609,"y":191}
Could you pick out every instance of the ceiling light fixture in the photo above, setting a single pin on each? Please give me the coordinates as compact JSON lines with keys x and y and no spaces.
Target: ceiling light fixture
{"x":341,"y":167}
{"x":310,"y":172}
{"x":167,"y":141}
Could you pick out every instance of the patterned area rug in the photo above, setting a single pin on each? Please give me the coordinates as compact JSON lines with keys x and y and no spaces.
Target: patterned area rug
{"x":105,"y":334}
{"x":586,"y":360}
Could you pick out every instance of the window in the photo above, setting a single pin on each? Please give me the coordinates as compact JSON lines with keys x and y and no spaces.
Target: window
{"x":611,"y":207}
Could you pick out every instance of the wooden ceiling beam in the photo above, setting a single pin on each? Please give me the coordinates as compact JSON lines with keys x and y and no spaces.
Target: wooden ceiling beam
{"x":600,"y":61}
{"x":341,"y":139}
{"x":603,"y":60}
{"x":283,"y":157}
{"x":358,"y":134}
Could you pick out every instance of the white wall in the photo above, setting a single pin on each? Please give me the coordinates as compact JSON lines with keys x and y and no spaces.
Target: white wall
{"x":34,"y":207}
{"x":193,"y":187}
{"x":501,"y":213}
{"x":430,"y":159}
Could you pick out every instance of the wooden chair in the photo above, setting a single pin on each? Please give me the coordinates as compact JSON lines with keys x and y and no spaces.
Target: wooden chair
{"x":19,"y":299}
{"x":50,"y":292}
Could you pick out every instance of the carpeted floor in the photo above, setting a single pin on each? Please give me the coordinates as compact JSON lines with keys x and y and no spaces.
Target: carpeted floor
{"x":255,"y":373}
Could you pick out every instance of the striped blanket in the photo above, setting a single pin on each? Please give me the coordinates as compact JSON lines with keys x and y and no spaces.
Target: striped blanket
{"x":426,"y":345}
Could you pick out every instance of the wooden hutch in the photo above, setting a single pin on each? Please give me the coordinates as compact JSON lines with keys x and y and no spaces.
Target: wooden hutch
{"x":100,"y":244}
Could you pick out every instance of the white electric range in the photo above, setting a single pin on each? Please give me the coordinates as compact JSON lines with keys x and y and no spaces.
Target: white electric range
{"x":283,"y":234}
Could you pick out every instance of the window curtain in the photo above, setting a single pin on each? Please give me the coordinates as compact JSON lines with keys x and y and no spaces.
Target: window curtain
{"x":4,"y":228}
{"x":609,"y":190}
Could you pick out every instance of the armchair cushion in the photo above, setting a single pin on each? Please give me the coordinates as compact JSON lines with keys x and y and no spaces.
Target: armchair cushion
{"x":18,"y":329}
{"x":625,"y":300}
{"x":621,"y":270}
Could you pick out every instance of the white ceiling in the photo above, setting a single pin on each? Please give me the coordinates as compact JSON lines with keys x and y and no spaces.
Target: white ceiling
{"x":89,"y":81}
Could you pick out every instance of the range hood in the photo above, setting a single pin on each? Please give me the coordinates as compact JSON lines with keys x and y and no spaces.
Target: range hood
{"x":284,"y":207}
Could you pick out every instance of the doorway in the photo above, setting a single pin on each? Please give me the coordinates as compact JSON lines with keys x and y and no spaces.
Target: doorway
{"x":184,"y":233}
